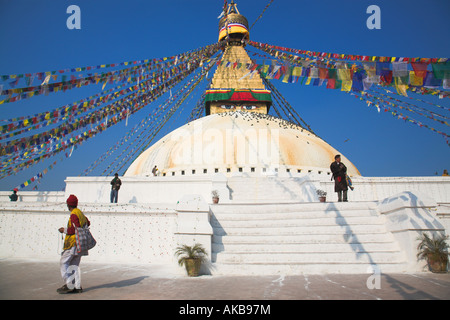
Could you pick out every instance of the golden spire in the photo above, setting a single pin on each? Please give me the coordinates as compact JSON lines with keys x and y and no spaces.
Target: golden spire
{"x":235,"y":85}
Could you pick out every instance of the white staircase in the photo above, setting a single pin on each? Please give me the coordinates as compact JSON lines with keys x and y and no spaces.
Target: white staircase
{"x":271,"y":189}
{"x":296,"y":238}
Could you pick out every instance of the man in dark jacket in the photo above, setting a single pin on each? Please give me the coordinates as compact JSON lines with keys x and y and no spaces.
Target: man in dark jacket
{"x":339,"y":171}
{"x":115,"y":186}
{"x":14,"y":196}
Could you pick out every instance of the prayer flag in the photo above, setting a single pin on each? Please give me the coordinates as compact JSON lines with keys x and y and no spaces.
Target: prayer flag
{"x":383,"y":68}
{"x":314,"y":72}
{"x":420,"y":69}
{"x":415,"y":80}
{"x":366,"y":84}
{"x":331,"y":84}
{"x":297,"y":71}
{"x":344,"y":74}
{"x":399,"y":69}
{"x":387,"y":77}
{"x":323,"y":73}
{"x":441,"y":70}
{"x":446,"y":83}
{"x":401,"y":84}
{"x":346,"y":85}
{"x":332,"y":73}
{"x":431,"y":82}
{"x":357,"y":84}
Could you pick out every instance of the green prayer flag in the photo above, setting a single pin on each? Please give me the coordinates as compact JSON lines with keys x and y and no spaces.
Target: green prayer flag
{"x":441,"y":70}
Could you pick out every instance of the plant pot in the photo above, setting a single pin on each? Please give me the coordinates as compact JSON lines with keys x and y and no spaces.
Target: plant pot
{"x":192,"y":266}
{"x":215,"y":200}
{"x":437,"y":265}
{"x":322,"y":199}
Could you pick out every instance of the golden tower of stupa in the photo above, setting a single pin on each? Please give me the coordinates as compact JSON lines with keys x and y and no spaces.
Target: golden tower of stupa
{"x":233,"y":87}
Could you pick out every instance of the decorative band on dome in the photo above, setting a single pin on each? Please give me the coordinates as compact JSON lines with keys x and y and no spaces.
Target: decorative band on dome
{"x":238,"y":95}
{"x":233,"y":28}
{"x":234,"y":24}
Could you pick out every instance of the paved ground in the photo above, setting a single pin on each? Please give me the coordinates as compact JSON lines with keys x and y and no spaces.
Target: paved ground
{"x":31,"y":279}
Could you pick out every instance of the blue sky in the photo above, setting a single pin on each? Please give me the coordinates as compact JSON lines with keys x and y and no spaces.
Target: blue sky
{"x":35,"y":38}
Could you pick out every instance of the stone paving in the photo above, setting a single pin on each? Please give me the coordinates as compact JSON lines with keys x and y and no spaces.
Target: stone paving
{"x":38,"y":280}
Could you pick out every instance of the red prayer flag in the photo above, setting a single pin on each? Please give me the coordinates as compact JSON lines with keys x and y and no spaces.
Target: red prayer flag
{"x":323,"y":73}
{"x":420,"y":69}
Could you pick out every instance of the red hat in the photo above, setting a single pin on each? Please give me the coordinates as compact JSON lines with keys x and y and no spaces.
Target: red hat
{"x":72,"y":201}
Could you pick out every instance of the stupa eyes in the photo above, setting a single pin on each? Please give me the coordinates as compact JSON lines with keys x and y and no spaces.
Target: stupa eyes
{"x":228,"y":107}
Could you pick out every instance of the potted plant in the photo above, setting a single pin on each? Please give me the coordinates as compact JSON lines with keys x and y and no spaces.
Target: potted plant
{"x":191,"y":258}
{"x":322,"y":195}
{"x":434,"y":251}
{"x":215,"y":196}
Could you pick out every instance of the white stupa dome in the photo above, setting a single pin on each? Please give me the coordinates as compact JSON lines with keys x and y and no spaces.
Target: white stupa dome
{"x":238,"y":142}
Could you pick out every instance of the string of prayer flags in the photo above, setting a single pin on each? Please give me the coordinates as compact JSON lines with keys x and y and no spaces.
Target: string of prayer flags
{"x":22,"y":153}
{"x":405,"y":74}
{"x":132,"y":73}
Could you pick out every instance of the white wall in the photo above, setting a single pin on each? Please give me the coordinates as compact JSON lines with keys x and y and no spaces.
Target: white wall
{"x":124,"y":233}
{"x":379,"y":188}
{"x":170,"y":189}
{"x":35,"y":196}
{"x":141,"y":189}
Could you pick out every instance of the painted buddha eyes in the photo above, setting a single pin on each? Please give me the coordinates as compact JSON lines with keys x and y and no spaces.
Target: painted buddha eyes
{"x":230,"y":107}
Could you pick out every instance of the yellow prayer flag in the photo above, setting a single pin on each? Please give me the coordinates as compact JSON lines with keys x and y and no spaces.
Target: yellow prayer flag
{"x":400,"y":86}
{"x":308,"y":81}
{"x":415,"y":80}
{"x":344,"y":74}
{"x":297,"y":71}
{"x":346,"y":85}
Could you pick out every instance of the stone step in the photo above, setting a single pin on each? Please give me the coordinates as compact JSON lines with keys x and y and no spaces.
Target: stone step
{"x":305,"y":247}
{"x":295,"y":221}
{"x":293,"y":230}
{"x":305,"y":238}
{"x":305,"y":268}
{"x":300,"y":207}
{"x":443,"y":208}
{"x":308,"y":257}
{"x":361,"y":213}
{"x":295,"y":238}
